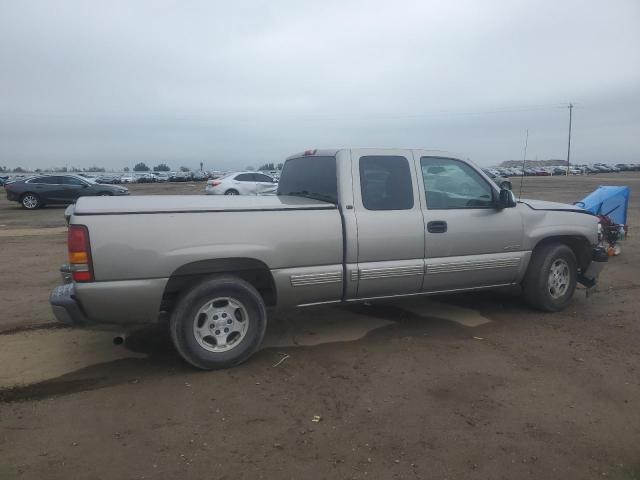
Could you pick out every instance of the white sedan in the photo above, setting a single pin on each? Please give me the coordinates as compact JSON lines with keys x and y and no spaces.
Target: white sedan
{"x":242,"y":183}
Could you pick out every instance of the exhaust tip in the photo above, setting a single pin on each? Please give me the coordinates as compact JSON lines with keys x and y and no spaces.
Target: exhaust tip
{"x":118,"y":340}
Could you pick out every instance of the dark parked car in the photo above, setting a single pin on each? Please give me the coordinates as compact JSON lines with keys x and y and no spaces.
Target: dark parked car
{"x":35,"y":192}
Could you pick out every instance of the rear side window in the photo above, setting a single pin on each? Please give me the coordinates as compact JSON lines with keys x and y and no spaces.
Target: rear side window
{"x":385,"y":183}
{"x":245,"y":177}
{"x":48,"y":180}
{"x":311,"y":176}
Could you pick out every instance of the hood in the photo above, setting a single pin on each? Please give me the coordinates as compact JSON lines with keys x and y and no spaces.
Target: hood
{"x":553,"y":206}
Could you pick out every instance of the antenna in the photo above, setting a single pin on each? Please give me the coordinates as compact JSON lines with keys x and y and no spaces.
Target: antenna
{"x":524,"y":160}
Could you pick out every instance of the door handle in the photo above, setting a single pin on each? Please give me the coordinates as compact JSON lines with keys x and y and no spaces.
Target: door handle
{"x":437,"y":226}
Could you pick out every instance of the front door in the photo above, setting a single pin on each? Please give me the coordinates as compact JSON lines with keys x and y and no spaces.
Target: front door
{"x":390,"y":223}
{"x":264,"y":184}
{"x":468,"y":241}
{"x":72,"y":188}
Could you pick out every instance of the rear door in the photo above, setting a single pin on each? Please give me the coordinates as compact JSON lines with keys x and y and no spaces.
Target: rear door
{"x":389,"y":221}
{"x":468,"y":241}
{"x":48,"y":188}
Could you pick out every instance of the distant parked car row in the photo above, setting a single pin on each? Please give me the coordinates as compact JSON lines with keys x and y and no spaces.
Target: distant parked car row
{"x":561,"y":170}
{"x":155,"y":177}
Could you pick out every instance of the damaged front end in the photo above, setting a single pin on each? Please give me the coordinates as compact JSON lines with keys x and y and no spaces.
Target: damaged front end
{"x":599,"y":258}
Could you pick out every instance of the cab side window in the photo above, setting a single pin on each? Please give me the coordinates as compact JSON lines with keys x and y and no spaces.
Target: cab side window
{"x":452,"y":184}
{"x":385,"y":183}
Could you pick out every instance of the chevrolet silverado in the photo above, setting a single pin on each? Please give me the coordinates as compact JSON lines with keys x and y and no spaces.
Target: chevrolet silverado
{"x":347,"y":225}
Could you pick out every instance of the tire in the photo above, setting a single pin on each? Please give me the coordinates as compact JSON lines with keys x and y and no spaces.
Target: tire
{"x":545,"y":289}
{"x":30,"y":201}
{"x":505,"y":185}
{"x":231,"y":192}
{"x":202,"y":315}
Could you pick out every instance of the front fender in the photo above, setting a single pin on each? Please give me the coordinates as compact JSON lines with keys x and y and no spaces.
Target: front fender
{"x":540,"y":225}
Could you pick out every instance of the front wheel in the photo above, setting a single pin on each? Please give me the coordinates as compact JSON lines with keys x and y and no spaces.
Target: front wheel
{"x":231,"y":192}
{"x":30,"y":201}
{"x":551,"y":277}
{"x":219,"y":323}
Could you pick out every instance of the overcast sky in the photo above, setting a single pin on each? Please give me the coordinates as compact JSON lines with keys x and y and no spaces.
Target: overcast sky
{"x":233,"y":84}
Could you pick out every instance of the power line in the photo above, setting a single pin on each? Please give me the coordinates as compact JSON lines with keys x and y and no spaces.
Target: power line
{"x":256,"y":116}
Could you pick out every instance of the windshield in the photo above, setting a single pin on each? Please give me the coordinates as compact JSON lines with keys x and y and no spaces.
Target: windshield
{"x":312,"y":177}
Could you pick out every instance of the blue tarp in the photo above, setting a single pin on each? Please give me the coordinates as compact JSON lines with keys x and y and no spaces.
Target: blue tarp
{"x":610,"y":201}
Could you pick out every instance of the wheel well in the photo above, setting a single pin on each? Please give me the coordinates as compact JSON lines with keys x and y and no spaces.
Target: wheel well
{"x":579,"y":245}
{"x":230,"y":190}
{"x":250,"y":270}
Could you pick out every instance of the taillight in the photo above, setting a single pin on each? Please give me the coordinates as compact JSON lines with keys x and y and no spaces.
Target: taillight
{"x":214,"y":183}
{"x":80,"y":253}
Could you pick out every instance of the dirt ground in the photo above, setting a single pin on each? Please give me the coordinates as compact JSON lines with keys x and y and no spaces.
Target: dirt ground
{"x":473,"y":386}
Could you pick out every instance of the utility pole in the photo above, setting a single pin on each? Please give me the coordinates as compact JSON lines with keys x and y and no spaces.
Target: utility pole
{"x":569,"y":144}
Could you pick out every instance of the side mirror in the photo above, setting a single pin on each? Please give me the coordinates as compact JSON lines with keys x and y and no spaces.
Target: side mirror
{"x":506,"y":199}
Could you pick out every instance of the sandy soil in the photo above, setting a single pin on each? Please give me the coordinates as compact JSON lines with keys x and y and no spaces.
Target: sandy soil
{"x":468,"y":386}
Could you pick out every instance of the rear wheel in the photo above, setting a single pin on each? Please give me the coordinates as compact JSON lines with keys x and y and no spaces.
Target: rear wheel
{"x":231,"y":192}
{"x":30,"y":201}
{"x":219,"y":323}
{"x":551,"y":277}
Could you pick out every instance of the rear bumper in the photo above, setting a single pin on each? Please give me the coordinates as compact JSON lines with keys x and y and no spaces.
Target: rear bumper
{"x":599,"y":258}
{"x":96,"y":304}
{"x":11,"y":196}
{"x":65,"y":306}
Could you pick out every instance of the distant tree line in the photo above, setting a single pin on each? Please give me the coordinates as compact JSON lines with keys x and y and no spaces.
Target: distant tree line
{"x":138,"y":167}
{"x":270,"y":166}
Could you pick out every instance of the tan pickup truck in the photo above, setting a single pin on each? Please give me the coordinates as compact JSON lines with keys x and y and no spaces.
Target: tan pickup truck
{"x":347,"y":225}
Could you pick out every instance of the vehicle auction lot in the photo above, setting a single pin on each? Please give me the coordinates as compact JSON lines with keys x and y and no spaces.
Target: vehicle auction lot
{"x":470,"y":386}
